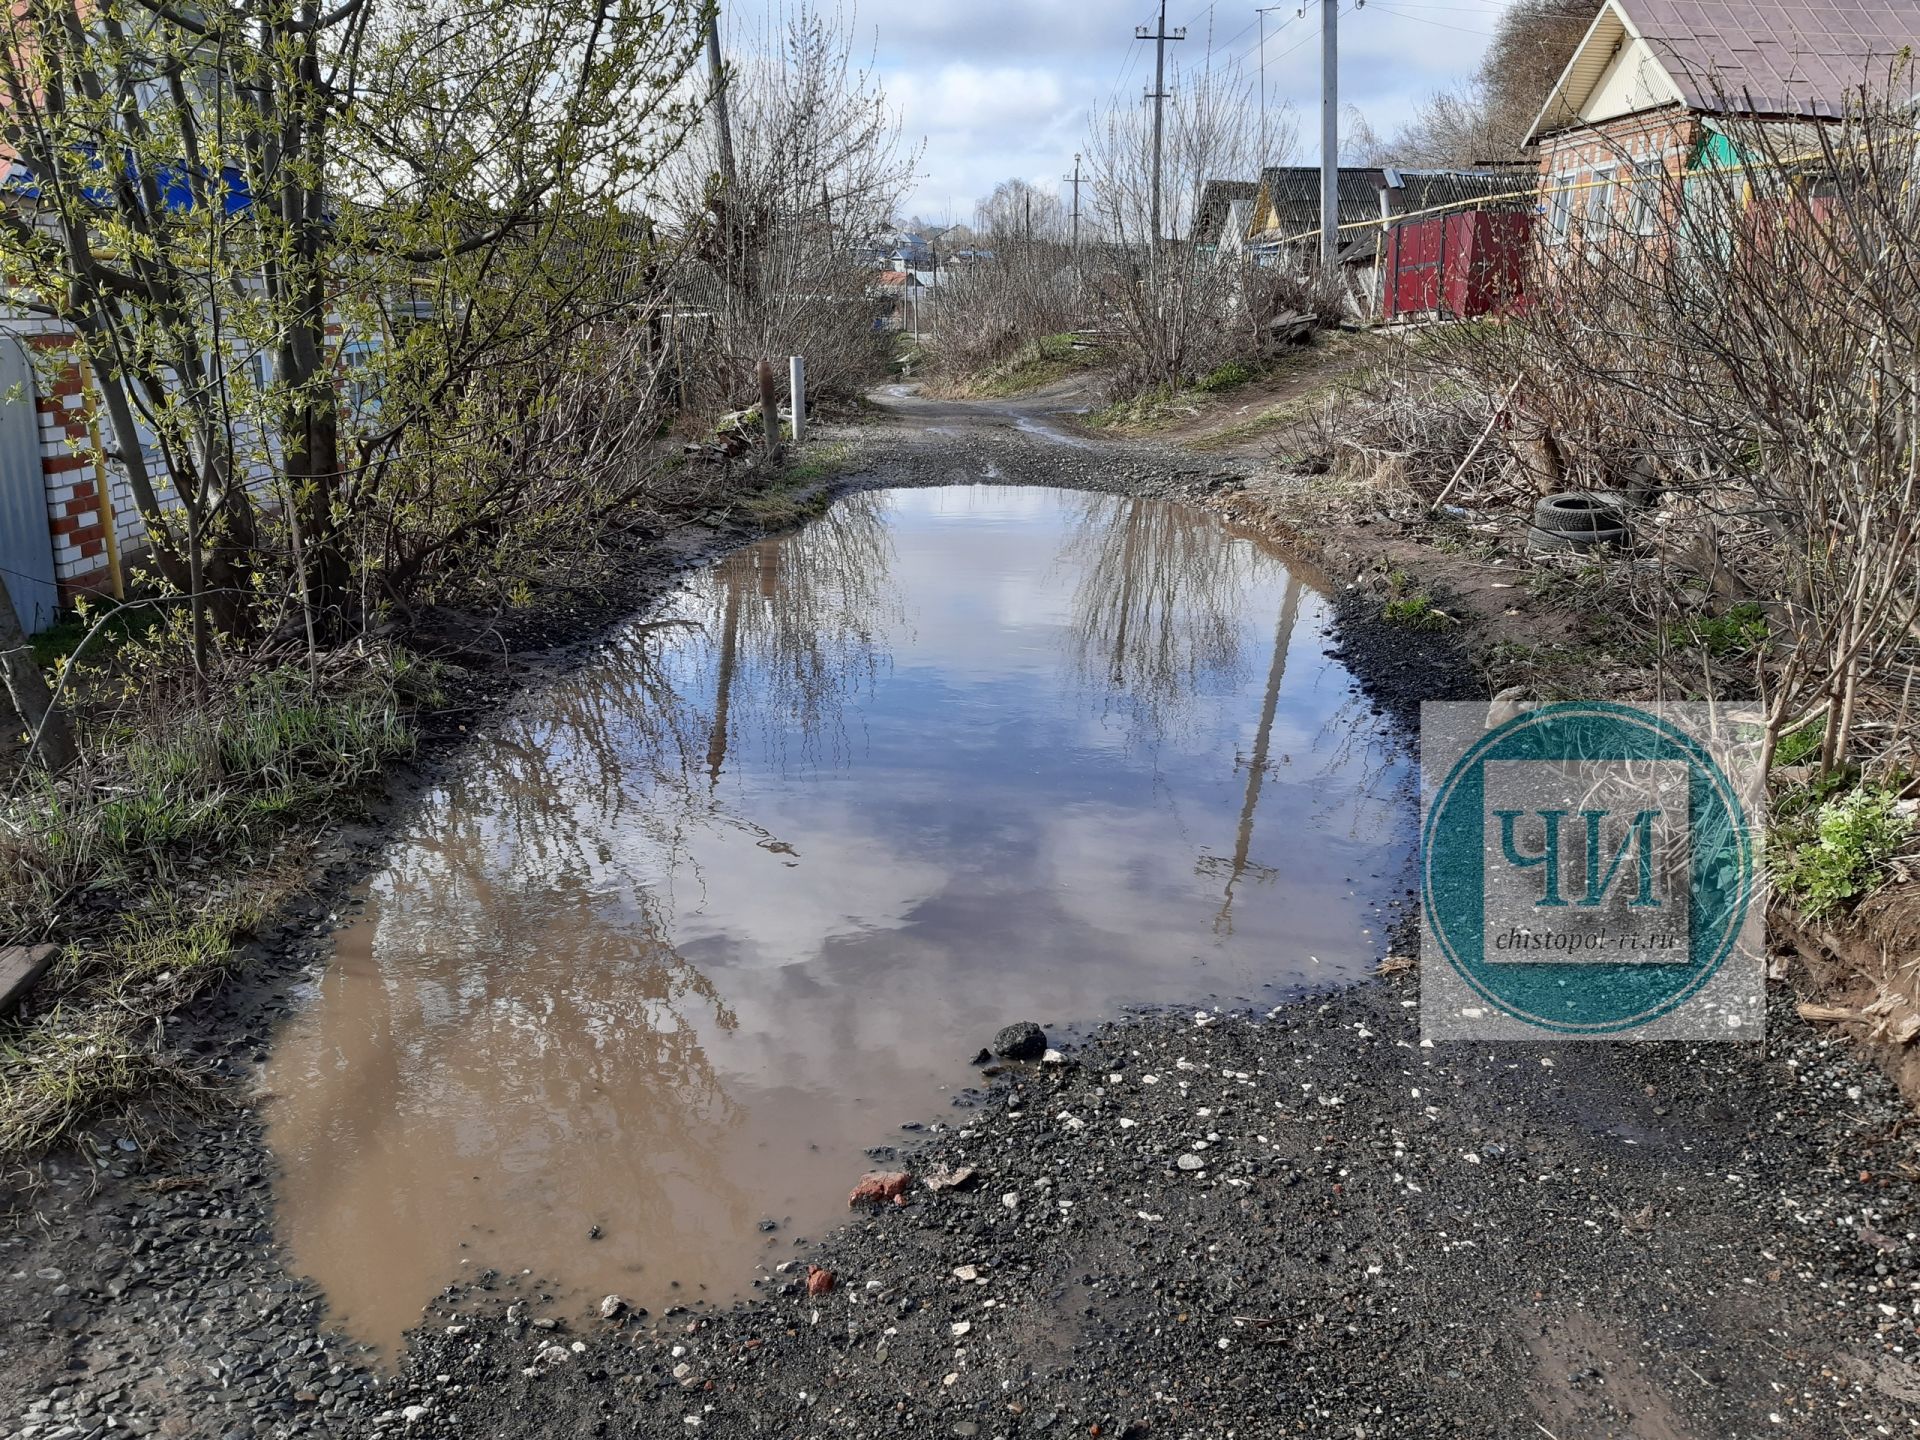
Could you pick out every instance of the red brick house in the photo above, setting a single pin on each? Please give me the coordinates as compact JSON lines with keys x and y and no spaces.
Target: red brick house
{"x":1642,"y":96}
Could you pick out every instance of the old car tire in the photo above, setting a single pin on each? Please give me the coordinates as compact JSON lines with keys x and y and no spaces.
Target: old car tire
{"x":1578,"y":510}
{"x":1542,"y":539}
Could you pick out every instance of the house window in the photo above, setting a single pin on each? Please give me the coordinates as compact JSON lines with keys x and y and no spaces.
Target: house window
{"x":362,"y":387}
{"x":260,"y":370}
{"x":1560,"y":209}
{"x":1649,"y":178}
{"x":1599,"y":207}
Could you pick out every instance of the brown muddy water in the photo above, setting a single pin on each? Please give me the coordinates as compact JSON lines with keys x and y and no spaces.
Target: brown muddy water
{"x":741,"y":896}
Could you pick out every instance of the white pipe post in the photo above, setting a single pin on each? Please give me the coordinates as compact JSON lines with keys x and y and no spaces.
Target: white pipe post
{"x":797,"y":393}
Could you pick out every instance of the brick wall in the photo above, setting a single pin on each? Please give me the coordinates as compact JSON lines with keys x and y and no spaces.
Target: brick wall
{"x":1622,"y":147}
{"x":77,"y":518}
{"x":75,"y":513}
{"x":78,"y":515}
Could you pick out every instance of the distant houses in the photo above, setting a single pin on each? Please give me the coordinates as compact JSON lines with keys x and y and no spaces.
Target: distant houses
{"x":1221,"y":219}
{"x":1276,"y":221}
{"x":1659,"y":95}
{"x":897,"y":299}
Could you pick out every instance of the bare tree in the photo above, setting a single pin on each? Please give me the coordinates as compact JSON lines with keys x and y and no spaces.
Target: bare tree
{"x":1019,"y":211}
{"x":1487,"y":117}
{"x":819,"y":168}
{"x":1170,"y":302}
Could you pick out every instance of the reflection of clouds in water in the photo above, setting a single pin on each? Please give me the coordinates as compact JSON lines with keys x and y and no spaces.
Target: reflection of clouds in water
{"x":755,"y":880}
{"x":772,"y":914}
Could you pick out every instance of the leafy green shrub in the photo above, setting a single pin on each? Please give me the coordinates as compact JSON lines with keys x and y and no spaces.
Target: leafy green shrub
{"x":1798,"y":746}
{"x":1224,"y":377}
{"x":1838,"y":852}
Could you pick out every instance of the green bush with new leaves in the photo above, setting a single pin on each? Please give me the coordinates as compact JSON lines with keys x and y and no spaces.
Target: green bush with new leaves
{"x":1838,"y":851}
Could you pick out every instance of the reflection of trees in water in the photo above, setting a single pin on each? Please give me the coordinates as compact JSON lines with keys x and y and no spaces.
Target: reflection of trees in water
{"x":497,"y":889}
{"x":617,"y":732}
{"x":795,"y":626}
{"x":1157,"y":609}
{"x":529,"y":1005}
{"x":533,"y":966}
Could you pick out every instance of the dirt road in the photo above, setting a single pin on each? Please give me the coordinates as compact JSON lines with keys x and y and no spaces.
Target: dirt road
{"x":1296,"y":1222}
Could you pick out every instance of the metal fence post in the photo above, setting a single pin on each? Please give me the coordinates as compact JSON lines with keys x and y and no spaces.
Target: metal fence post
{"x":797,"y":392}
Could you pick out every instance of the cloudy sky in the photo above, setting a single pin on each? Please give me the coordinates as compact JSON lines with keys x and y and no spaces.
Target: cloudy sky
{"x":1003,"y":88}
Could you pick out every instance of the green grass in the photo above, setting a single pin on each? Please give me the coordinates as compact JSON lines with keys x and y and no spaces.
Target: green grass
{"x":1159,"y":407}
{"x":1740,"y":631}
{"x":1796,"y":747}
{"x":1226,"y":377}
{"x":817,"y":462}
{"x":795,"y":495}
{"x":172,"y":839}
{"x":1828,"y":855}
{"x":1049,"y":359}
{"x":1416,"y":611}
{"x":1410,"y":606}
{"x":60,"y":639}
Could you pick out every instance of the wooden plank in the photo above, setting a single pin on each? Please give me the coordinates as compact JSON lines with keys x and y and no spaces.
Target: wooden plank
{"x":21,"y":967}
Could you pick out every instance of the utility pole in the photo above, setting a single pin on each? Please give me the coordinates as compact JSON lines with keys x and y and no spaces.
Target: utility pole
{"x":1075,"y":178}
{"x":1160,"y":36}
{"x":1263,"y":12}
{"x":717,"y":97}
{"x":1329,"y":131}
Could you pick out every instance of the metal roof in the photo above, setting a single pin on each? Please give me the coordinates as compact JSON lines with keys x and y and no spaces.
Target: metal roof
{"x":1802,"y":59}
{"x":1216,"y":200}
{"x":1415,"y":190}
{"x":1293,"y":191}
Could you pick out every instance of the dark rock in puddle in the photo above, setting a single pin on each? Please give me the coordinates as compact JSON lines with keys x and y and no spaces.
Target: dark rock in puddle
{"x":1022,"y":1041}
{"x":983,"y":1057}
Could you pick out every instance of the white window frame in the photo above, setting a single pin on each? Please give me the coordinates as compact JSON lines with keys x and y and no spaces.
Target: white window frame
{"x":1647,"y":205}
{"x":1560,"y":209}
{"x":1597,"y":212}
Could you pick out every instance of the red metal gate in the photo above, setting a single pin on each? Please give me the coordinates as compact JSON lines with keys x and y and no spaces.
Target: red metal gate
{"x":1457,"y":265}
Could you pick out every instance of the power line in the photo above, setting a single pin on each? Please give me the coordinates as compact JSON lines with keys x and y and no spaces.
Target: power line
{"x":1423,"y":20}
{"x":1126,"y":69}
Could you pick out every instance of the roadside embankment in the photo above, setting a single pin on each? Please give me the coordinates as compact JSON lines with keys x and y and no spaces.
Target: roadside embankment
{"x":1844,"y":848}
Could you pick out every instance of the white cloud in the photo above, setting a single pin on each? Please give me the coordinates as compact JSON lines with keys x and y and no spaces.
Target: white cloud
{"x":1003,"y":88}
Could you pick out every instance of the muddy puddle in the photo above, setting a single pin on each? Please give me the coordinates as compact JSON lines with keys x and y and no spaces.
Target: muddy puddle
{"x":706,"y":919}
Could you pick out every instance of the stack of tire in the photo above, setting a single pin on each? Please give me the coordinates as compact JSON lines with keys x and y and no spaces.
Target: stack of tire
{"x":1578,"y":520}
